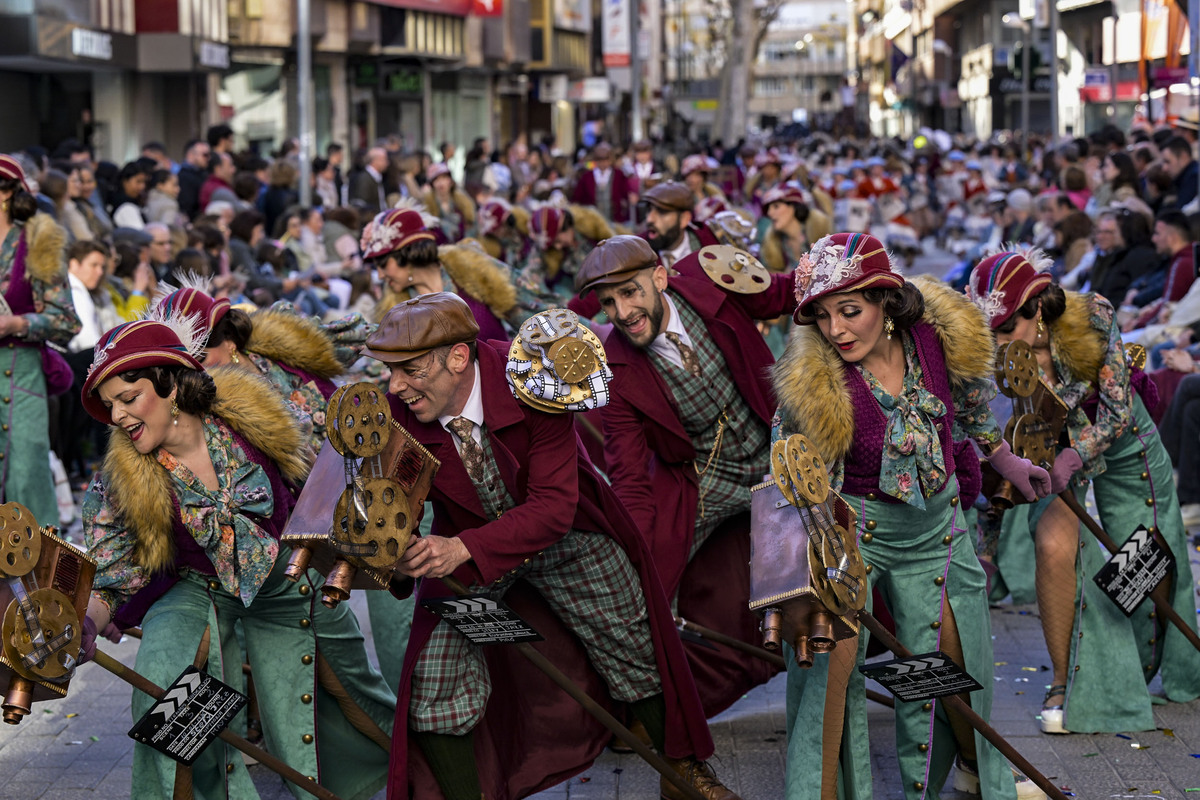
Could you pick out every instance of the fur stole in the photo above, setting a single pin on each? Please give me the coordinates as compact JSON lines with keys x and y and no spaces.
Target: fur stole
{"x":811,"y":387}
{"x":139,"y":489}
{"x":590,"y":224}
{"x":822,"y":199}
{"x":462,"y":203}
{"x":491,"y":246}
{"x":1077,"y":343}
{"x":771,"y":252}
{"x":294,"y":341}
{"x":46,"y":250}
{"x":480,"y":276}
{"x":520,"y":216}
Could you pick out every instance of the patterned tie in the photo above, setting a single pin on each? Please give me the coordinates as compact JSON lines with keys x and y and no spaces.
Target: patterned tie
{"x":686,"y":354}
{"x":468,"y":449}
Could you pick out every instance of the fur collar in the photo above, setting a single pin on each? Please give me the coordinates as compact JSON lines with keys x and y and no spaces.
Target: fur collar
{"x":293,"y":341}
{"x":140,"y":489}
{"x":481,"y":276}
{"x":590,"y":223}
{"x":462,"y":203}
{"x":520,"y":216}
{"x":1077,"y":343}
{"x":772,"y":252}
{"x":46,"y":244}
{"x":811,"y":387}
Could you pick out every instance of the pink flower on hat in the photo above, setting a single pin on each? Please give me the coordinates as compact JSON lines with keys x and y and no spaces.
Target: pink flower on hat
{"x":804,"y":274}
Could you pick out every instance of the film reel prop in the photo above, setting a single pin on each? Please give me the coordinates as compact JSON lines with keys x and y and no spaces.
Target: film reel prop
{"x":734,"y":269}
{"x":807,"y":577}
{"x":733,"y":228}
{"x":45,"y":583}
{"x":359,"y":507}
{"x":1037,"y":424}
{"x":556,"y":364}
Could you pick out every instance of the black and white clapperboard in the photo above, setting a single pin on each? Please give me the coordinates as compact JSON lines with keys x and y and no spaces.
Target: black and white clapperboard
{"x":921,"y":677}
{"x":482,"y":619}
{"x":1134,"y":570}
{"x":193,"y":711}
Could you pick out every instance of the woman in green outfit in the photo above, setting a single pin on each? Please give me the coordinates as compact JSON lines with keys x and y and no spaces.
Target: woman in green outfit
{"x":1102,"y":661}
{"x":183,"y":522}
{"x":871,"y":378}
{"x":38,"y":309}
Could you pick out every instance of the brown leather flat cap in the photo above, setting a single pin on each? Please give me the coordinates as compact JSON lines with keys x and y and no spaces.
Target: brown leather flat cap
{"x":602,"y":150}
{"x":670,"y":196}
{"x":413,"y":328}
{"x":614,"y":261}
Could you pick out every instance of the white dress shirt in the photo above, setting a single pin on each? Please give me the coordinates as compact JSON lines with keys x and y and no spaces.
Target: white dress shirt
{"x":473,"y":411}
{"x":664,"y":346}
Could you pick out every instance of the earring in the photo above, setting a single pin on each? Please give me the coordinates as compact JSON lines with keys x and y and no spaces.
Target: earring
{"x":889,"y":327}
{"x":410,"y":279}
{"x":174,"y":412}
{"x":234,"y":358}
{"x":1041,"y":328}
{"x":5,"y":206}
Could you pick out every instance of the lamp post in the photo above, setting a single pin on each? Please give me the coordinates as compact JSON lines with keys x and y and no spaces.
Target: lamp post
{"x":1011,"y":20}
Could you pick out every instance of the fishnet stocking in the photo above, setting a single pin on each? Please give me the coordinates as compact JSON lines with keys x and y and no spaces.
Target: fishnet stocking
{"x":841,"y":665}
{"x":951,"y":645}
{"x":1056,"y":543}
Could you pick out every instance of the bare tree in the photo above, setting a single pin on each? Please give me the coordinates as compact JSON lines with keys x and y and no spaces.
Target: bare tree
{"x":739,"y":34}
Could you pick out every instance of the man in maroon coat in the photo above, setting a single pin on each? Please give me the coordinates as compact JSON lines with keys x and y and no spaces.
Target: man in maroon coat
{"x":605,"y":186}
{"x":669,"y":227}
{"x":519,"y":515}
{"x":687,"y":433}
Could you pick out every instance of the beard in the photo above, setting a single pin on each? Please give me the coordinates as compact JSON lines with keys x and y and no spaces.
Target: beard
{"x":668,"y":240}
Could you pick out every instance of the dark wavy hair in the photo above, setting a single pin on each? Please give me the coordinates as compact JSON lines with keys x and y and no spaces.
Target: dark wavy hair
{"x":1052,"y":300}
{"x":22,"y":206}
{"x":195,"y":393}
{"x":236,"y":326}
{"x":421,"y":253}
{"x":905,"y":305}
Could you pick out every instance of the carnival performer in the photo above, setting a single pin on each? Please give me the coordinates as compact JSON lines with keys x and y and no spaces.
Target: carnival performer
{"x":38,"y":311}
{"x":670,"y":229}
{"x":605,"y":187}
{"x":504,"y":232}
{"x":783,"y":235}
{"x":183,"y":521}
{"x":453,"y":208}
{"x":694,"y":173}
{"x":518,"y":514}
{"x":686,"y":434}
{"x":882,"y":376}
{"x":1102,"y":661}
{"x":562,"y":239}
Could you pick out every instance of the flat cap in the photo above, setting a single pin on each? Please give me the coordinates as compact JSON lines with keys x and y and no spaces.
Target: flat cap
{"x":670,"y":196}
{"x":415,"y":327}
{"x":602,"y":150}
{"x":614,"y":260}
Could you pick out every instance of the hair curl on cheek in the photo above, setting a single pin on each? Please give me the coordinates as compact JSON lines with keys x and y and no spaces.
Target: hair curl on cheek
{"x":905,"y":305}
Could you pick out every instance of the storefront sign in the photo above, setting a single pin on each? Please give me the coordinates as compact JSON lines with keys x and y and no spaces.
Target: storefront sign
{"x":213,"y":55}
{"x":1097,"y":85}
{"x":590,"y":90}
{"x":91,"y":44}
{"x":573,"y":15}
{"x":403,"y":81}
{"x":552,"y":88}
{"x":615,"y":19}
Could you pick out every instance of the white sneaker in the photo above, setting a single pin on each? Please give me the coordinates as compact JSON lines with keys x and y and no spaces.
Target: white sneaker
{"x":1191,"y":515}
{"x":966,"y":777}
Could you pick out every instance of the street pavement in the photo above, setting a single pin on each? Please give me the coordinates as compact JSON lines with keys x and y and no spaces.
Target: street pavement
{"x":78,"y":749}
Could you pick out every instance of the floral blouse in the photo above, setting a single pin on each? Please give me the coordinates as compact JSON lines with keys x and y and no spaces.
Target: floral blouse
{"x":1115,"y":410}
{"x":57,"y":321}
{"x":242,"y":553}
{"x":303,"y":399}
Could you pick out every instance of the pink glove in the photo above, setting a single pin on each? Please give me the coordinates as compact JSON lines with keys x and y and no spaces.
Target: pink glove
{"x":1031,"y":481}
{"x":87,"y":649}
{"x":1065,"y":466}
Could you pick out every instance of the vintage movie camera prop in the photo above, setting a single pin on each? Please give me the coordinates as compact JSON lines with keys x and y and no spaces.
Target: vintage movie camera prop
{"x":44,"y":594}
{"x":361,"y":503}
{"x":807,"y":577}
{"x":734,"y":269}
{"x":1037,"y":424}
{"x":733,"y":229}
{"x":556,"y":364}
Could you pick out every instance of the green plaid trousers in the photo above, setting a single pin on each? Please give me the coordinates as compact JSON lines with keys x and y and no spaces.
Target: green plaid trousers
{"x":745,"y":453}
{"x":590,"y":584}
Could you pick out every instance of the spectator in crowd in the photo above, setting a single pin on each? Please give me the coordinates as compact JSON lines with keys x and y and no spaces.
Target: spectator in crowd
{"x":161,"y":254}
{"x":75,"y":216}
{"x":281,"y":193}
{"x":127,"y":200}
{"x":1125,"y":252}
{"x":1018,"y":217}
{"x":1073,"y":248}
{"x":219,"y":184}
{"x":246,"y":232}
{"x":366,"y":185}
{"x":336,"y":155}
{"x":193,"y":172}
{"x":324,"y":183}
{"x":1178,"y":162}
{"x":162,"y":204}
{"x":220,"y":138}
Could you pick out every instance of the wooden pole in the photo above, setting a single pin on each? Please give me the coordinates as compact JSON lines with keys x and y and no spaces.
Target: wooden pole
{"x":592,"y":707}
{"x":143,"y":684}
{"x":1159,"y":595}
{"x":961,"y":707}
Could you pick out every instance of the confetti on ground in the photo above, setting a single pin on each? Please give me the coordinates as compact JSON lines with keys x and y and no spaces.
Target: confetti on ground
{"x":1089,"y":755}
{"x":72,"y":715}
{"x":71,"y":743}
{"x":1138,"y":746}
{"x":1123,"y":736}
{"x":1001,"y":663}
{"x":584,"y":779}
{"x":94,"y":738}
{"x":1168,"y":732}
{"x":1020,"y":693}
{"x":1029,"y":669}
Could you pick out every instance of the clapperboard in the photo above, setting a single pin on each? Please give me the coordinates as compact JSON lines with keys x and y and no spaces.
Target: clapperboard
{"x":193,"y":711}
{"x":1134,"y":570}
{"x":482,"y":619}
{"x":921,"y":677}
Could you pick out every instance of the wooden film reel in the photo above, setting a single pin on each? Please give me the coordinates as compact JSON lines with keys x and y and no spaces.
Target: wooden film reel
{"x":799,"y":471}
{"x":387,"y":523}
{"x":734,"y":269}
{"x":359,"y":420}
{"x":548,"y":327}
{"x":1033,"y":439}
{"x":840,"y":597}
{"x":20,"y":540}
{"x":1016,"y":370}
{"x":55,"y":613}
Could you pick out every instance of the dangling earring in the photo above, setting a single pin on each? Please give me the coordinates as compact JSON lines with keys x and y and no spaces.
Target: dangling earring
{"x":1041,"y":328}
{"x":174,"y":412}
{"x":234,"y":358}
{"x":888,"y":327}
{"x":5,"y":206}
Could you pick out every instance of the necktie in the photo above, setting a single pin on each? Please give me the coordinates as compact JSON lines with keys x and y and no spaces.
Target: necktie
{"x":686,"y":354}
{"x":468,"y":449}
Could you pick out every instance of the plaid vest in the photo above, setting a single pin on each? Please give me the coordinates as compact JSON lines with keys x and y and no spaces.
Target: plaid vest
{"x":492,"y":492}
{"x":604,"y":196}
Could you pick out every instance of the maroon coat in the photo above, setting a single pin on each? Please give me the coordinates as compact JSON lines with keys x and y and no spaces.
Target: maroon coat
{"x":584,"y":193}
{"x":649,"y":459}
{"x":533,"y":735}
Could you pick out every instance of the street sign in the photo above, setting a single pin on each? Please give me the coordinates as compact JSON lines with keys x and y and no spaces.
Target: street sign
{"x":921,"y":677}
{"x":190,"y":714}
{"x":482,"y":619}
{"x":1134,"y":570}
